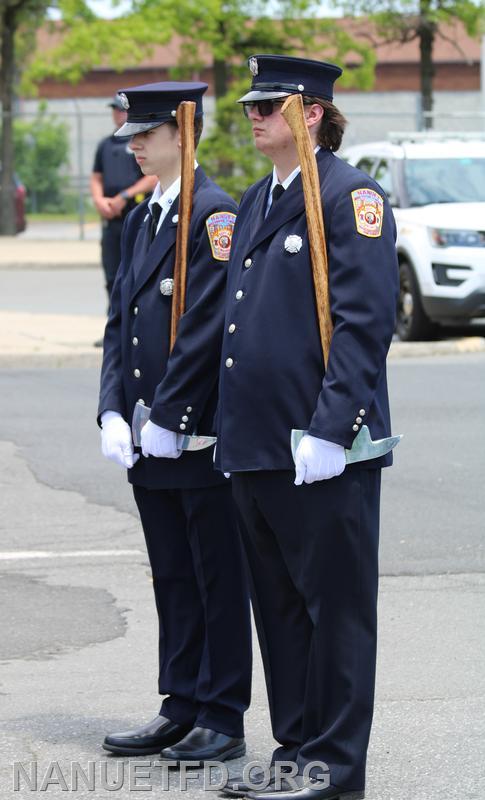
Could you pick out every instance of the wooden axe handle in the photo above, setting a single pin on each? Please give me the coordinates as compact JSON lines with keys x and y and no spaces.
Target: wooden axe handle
{"x":294,"y":115}
{"x":185,"y":121}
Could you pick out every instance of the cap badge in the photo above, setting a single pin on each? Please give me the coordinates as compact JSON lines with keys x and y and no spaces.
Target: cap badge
{"x":253,"y":65}
{"x":293,"y":243}
{"x":124,"y":100}
{"x":166,"y":287}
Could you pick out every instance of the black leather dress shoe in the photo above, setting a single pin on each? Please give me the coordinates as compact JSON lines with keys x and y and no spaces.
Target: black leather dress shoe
{"x":202,"y":744}
{"x":312,"y":790}
{"x":238,"y":786}
{"x":150,"y":738}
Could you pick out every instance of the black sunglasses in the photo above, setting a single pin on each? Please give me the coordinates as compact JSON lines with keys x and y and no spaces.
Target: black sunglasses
{"x":264,"y":107}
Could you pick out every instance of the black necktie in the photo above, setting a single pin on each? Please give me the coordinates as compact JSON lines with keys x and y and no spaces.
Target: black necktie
{"x":156,"y":212}
{"x":278,"y":190}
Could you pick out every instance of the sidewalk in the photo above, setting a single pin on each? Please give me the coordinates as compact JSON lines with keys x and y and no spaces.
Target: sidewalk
{"x":18,"y":253}
{"x":49,"y":340}
{"x":31,"y":338}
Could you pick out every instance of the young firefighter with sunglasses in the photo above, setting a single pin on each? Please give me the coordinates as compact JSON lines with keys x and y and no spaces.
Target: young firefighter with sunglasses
{"x":311,"y":536}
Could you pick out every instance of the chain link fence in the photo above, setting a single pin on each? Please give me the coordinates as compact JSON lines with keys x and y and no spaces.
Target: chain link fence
{"x":371,"y":116}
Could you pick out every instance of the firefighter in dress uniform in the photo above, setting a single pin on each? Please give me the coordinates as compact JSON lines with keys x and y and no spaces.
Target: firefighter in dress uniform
{"x":311,"y":535}
{"x":185,"y":506}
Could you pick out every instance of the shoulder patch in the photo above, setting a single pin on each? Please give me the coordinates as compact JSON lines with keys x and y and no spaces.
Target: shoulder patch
{"x":368,"y":210}
{"x":219,"y":230}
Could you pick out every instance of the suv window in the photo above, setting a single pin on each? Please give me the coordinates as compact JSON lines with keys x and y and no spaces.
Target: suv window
{"x":366,"y":165}
{"x":384,"y":178}
{"x":445,"y":180}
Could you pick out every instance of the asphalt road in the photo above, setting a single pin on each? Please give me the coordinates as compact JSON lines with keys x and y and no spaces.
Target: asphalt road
{"x":77,"y":647}
{"x":433,"y":501}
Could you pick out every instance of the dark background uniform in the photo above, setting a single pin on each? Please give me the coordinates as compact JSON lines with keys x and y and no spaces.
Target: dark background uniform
{"x":185,"y":506}
{"x":312,"y":549}
{"x":117,"y":165}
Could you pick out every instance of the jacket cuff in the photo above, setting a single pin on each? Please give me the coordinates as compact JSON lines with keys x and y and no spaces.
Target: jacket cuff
{"x":177,"y":417}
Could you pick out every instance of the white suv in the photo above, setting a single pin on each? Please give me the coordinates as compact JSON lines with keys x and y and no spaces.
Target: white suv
{"x":436,"y":186}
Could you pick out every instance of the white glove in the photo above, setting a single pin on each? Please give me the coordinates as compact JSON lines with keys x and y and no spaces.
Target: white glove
{"x":318,"y":460}
{"x":158,"y":442}
{"x":116,"y":441}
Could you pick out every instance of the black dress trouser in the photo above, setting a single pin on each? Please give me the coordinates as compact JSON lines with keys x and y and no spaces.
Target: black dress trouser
{"x":312,"y":554}
{"x":203,"y":605}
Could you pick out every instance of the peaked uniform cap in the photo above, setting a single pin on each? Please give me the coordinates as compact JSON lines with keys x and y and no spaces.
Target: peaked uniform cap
{"x":152,"y":104}
{"x":279,"y":76}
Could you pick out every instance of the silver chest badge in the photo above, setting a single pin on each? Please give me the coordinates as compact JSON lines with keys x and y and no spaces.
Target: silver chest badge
{"x":166,"y":287}
{"x":293,"y":243}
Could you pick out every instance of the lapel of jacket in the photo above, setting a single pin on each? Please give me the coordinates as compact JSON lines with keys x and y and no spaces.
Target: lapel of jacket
{"x":291,"y":205}
{"x":142,"y":243}
{"x":259,"y":207}
{"x":152,"y":254}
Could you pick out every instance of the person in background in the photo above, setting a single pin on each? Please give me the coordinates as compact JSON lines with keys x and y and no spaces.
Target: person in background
{"x":117,"y":184}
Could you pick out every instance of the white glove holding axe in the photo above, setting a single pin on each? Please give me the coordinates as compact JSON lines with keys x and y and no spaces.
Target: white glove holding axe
{"x":116,"y":441}
{"x":159,"y":442}
{"x":318,"y":460}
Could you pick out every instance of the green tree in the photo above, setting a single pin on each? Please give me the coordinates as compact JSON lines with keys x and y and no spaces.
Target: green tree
{"x":220,"y":34}
{"x":228,"y":151}
{"x":422,"y":20}
{"x":41,"y":149}
{"x":232,"y":30}
{"x":16,"y":17}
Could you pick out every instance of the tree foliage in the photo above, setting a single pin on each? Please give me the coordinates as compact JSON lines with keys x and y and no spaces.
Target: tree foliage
{"x":422,"y":20}
{"x":215,"y":34}
{"x":17,"y":17}
{"x":85,"y":41}
{"x":228,"y":151}
{"x":41,"y":149}
{"x":219,"y":34}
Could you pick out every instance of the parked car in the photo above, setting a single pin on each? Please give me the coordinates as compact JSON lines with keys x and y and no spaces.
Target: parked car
{"x":436,"y":186}
{"x":19,"y":192}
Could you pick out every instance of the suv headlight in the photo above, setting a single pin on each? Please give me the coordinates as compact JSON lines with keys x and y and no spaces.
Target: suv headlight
{"x":441,"y":237}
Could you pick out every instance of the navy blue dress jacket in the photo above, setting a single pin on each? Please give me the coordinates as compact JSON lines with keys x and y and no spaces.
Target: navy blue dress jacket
{"x":272,"y":374}
{"x":137,"y":363}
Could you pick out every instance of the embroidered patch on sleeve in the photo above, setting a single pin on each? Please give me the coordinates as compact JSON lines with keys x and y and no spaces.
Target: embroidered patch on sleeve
{"x":219,"y":229}
{"x":368,"y":210}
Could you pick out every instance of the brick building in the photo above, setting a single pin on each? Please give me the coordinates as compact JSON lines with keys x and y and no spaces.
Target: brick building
{"x":393,"y":103}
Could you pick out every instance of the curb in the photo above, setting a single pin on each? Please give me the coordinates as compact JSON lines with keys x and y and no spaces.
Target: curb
{"x":92,"y":357}
{"x":80,"y":360}
{"x":469,"y":344}
{"x":36,"y":266}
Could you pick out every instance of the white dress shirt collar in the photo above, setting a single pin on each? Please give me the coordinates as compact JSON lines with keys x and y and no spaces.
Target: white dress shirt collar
{"x":291,"y":177}
{"x":165,"y":199}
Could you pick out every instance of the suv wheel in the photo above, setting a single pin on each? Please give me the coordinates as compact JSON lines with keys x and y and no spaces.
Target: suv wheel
{"x":412,"y":323}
